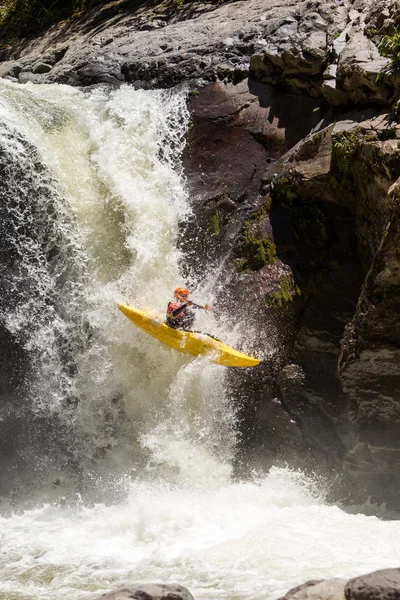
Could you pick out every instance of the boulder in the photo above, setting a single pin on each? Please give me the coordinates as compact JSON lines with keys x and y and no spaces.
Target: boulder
{"x":27,"y":76}
{"x":10,"y":69}
{"x":42,"y":67}
{"x":149,"y":591}
{"x":329,"y":589}
{"x":300,"y":590}
{"x":379,"y":585}
{"x":333,"y":93}
{"x":362,"y":72}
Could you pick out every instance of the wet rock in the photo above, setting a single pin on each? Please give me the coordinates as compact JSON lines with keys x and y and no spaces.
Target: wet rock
{"x":224,"y":166}
{"x":42,"y":68}
{"x":300,"y":590}
{"x":234,"y":130}
{"x":150,"y":591}
{"x":10,"y":69}
{"x":357,"y":229}
{"x":100,"y":71}
{"x":26,"y":76}
{"x":329,"y":589}
{"x":370,"y":373}
{"x":379,"y":585}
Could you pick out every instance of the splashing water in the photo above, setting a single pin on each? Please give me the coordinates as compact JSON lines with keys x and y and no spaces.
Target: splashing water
{"x":144,"y":419}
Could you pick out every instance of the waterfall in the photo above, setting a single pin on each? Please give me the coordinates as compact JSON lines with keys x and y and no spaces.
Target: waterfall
{"x":117,"y":450}
{"x":106,"y":164}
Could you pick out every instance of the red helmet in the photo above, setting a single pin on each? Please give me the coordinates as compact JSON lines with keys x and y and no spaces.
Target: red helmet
{"x":182,"y":292}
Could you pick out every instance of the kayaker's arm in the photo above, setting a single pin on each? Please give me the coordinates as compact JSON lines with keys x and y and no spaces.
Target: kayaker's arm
{"x":177,"y":311}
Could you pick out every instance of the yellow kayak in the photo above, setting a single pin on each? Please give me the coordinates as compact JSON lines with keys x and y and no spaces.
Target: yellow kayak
{"x":188,"y":341}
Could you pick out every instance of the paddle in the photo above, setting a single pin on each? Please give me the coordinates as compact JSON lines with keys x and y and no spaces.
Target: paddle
{"x":205,"y":307}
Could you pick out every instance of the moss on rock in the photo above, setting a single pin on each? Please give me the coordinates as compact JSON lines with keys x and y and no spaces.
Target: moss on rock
{"x":257,"y":248}
{"x":216,"y":222}
{"x":285,"y":292}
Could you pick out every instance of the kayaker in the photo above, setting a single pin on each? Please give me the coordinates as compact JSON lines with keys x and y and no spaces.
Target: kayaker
{"x":179,"y":312}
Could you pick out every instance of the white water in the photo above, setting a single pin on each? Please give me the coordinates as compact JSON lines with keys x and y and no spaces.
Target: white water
{"x":163,"y":419}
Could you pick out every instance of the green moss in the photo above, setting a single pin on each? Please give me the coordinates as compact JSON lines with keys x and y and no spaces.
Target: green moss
{"x":216,"y":222}
{"x":257,"y":249}
{"x":396,"y":111}
{"x":304,"y":234}
{"x":286,"y":189}
{"x":190,"y":135}
{"x":350,"y":176}
{"x":286,"y":291}
{"x":241,"y":265}
{"x":255,"y":252}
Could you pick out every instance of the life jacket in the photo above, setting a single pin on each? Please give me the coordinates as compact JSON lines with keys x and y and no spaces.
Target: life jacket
{"x":172,"y":306}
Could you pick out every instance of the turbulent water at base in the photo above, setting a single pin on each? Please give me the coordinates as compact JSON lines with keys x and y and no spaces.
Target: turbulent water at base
{"x":150,"y":432}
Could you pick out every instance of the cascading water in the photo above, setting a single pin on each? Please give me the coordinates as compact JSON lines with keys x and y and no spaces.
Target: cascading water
{"x":94,"y":195}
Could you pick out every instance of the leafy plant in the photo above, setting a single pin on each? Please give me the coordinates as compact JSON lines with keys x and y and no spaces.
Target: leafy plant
{"x":21,"y":18}
{"x":390,"y":47}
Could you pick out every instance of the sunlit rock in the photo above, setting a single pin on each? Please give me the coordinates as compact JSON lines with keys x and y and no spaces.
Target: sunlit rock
{"x":150,"y":591}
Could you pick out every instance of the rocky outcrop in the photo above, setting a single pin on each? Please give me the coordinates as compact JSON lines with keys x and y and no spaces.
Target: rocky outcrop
{"x":353,"y":188}
{"x":319,"y":48}
{"x":316,"y":246}
{"x":369,"y":368}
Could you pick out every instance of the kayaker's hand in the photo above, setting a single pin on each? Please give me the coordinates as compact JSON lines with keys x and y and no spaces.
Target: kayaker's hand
{"x":188,"y":302}
{"x":207,"y":307}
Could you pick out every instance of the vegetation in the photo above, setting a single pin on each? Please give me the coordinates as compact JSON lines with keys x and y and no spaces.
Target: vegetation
{"x":344,"y":147}
{"x":257,"y":249}
{"x":21,"y":18}
{"x":306,"y":240}
{"x":390,"y":47}
{"x":285,"y":292}
{"x":257,"y":252}
{"x":216,"y":222}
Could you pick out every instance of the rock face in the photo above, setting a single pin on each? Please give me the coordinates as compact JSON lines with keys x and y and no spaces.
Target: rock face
{"x":292,"y":164}
{"x":150,"y":591}
{"x":318,"y":48}
{"x":319,"y":245}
